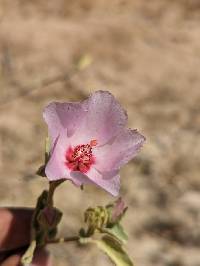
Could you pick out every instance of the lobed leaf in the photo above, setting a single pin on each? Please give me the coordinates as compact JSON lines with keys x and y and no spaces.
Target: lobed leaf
{"x":113,"y":249}
{"x":118,"y":232}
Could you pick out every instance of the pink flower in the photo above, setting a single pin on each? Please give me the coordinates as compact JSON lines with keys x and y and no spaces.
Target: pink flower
{"x":90,"y":141}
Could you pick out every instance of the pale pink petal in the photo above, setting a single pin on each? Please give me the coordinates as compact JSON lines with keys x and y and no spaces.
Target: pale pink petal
{"x":105,"y":119}
{"x":56,"y":168}
{"x":119,"y":151}
{"x":63,"y":116}
{"x":79,"y":178}
{"x":110,"y":183}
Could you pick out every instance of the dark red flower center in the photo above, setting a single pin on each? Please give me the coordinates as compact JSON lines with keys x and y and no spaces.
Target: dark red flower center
{"x":80,"y":158}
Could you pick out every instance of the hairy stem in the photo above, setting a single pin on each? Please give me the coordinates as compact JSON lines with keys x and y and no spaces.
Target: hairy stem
{"x":63,"y":240}
{"x":52,"y":186}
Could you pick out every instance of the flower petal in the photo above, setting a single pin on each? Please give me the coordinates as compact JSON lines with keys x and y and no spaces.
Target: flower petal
{"x":56,"y":168}
{"x":105,"y":119}
{"x":63,"y":116}
{"x":118,"y":151}
{"x":110,"y":183}
{"x":79,"y":178}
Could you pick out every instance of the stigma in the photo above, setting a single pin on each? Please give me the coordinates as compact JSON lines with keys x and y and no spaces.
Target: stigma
{"x":80,"y":158}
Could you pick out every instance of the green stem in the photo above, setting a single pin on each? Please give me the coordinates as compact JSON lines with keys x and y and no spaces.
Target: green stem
{"x":50,"y":194}
{"x":28,"y":255}
{"x":63,"y":240}
{"x":52,"y":186}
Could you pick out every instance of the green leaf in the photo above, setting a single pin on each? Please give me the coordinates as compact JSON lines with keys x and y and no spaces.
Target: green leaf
{"x":118,"y":232}
{"x":112,"y":248}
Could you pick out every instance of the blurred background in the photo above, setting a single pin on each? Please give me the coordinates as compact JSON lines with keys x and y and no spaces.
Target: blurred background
{"x":147,"y":53}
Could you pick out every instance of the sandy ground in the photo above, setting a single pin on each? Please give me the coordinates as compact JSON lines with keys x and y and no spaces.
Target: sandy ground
{"x":147,"y":55}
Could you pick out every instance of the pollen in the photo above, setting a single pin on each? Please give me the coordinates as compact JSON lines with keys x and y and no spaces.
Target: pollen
{"x":80,"y":158}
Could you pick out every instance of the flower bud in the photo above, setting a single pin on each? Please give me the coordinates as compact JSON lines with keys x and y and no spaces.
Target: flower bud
{"x":96,"y":218}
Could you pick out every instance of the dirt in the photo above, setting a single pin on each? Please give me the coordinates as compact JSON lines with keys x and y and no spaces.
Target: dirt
{"x":147,"y":54}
